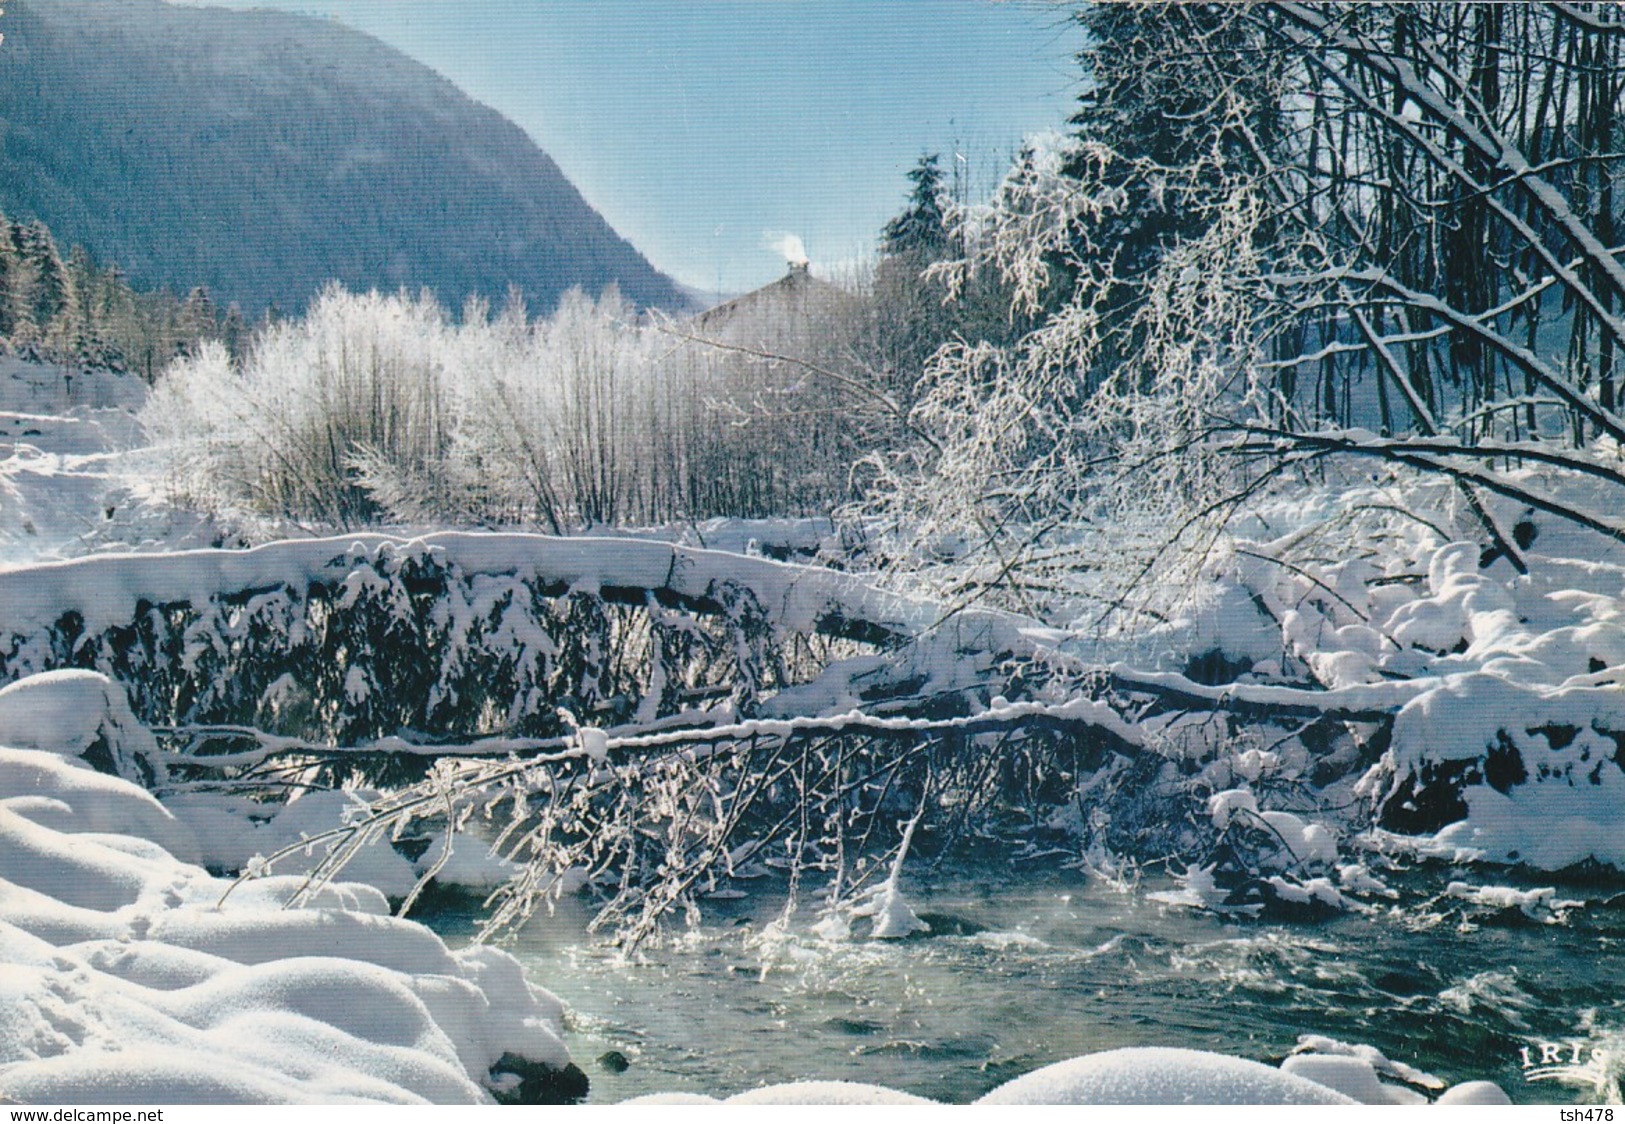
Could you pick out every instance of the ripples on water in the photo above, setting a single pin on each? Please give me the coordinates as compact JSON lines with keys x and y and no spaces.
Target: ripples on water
{"x":1033,"y":973}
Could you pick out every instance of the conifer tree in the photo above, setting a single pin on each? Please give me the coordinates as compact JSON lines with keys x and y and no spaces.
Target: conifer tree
{"x":24,"y":284}
{"x":234,"y":331}
{"x":198,"y":321}
{"x":51,"y":296}
{"x":921,"y":228}
{"x":10,"y":278}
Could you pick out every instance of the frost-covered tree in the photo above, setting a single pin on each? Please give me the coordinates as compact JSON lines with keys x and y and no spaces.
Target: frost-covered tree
{"x":360,"y":376}
{"x":1175,"y":92}
{"x":378,"y":408}
{"x":1348,"y":228}
{"x":199,"y":320}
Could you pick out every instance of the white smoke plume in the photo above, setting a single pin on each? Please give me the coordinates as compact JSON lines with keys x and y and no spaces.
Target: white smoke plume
{"x":787,"y":244}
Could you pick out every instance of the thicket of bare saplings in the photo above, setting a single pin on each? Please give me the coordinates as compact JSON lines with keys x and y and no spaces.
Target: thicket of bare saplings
{"x":383,"y":408}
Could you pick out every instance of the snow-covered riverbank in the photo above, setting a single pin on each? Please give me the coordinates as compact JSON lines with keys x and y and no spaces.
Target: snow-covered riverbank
{"x":132,"y":975}
{"x":138,"y":977}
{"x":129,"y":973}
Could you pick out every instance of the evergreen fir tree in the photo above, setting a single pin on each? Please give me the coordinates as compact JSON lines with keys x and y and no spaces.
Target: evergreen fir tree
{"x":234,"y":331}
{"x":24,"y":330}
{"x":198,"y":320}
{"x":921,"y":228}
{"x":52,"y":291}
{"x":1160,"y":80}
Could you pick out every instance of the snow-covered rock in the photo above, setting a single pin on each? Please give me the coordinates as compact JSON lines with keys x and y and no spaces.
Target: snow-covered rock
{"x":827,"y":1093}
{"x":1161,"y":1075}
{"x":890,"y":914}
{"x":1509,"y":772}
{"x":1353,"y":1077}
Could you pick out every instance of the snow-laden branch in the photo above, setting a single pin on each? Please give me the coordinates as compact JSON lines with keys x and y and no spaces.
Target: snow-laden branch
{"x":1316,"y":36}
{"x":1519,"y":354}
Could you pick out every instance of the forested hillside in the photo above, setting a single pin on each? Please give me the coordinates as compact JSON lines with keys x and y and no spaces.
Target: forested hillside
{"x":59,"y":306}
{"x":262,"y":154}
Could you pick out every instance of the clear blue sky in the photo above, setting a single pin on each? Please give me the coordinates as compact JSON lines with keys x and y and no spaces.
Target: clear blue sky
{"x":699,"y":128}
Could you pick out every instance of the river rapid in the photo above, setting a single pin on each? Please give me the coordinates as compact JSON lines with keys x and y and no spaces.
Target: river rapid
{"x":1022,"y":972}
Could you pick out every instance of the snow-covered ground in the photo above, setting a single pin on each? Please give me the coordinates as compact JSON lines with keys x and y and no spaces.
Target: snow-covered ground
{"x":72,"y":473}
{"x":131,"y":974}
{"x":134,"y":976}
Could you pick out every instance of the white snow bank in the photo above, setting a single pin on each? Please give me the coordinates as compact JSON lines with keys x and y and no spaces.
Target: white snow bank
{"x":33,"y":783}
{"x":1198,"y":889}
{"x":1161,"y":1075}
{"x":1224,"y":619}
{"x":126,"y":978}
{"x":1544,"y":785}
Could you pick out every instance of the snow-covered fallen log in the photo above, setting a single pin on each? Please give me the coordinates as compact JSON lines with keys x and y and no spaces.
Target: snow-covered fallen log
{"x":107,"y":592}
{"x":473,"y":634}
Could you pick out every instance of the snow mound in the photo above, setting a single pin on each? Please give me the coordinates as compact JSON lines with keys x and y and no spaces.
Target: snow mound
{"x":78,"y":714}
{"x":1161,"y":1075}
{"x":825,"y":1092}
{"x":1511,"y":772}
{"x":671,"y":1098}
{"x":1474,"y":1092}
{"x":41,"y":786}
{"x":129,"y":975}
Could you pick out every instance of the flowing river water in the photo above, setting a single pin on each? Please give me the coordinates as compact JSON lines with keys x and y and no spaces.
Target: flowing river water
{"x":1024,"y":973}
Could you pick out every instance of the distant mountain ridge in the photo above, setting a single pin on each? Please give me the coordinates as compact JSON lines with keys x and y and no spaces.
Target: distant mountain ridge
{"x":262,"y":154}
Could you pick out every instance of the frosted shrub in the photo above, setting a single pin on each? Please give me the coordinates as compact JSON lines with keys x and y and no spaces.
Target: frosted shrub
{"x":1055,"y":473}
{"x":360,"y":377}
{"x":560,"y":416}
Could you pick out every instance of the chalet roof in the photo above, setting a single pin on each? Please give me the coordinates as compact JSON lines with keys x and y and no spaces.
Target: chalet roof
{"x":795,"y":294}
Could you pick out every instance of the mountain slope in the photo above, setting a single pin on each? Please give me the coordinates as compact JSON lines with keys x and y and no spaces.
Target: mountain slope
{"x":262,"y":154}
